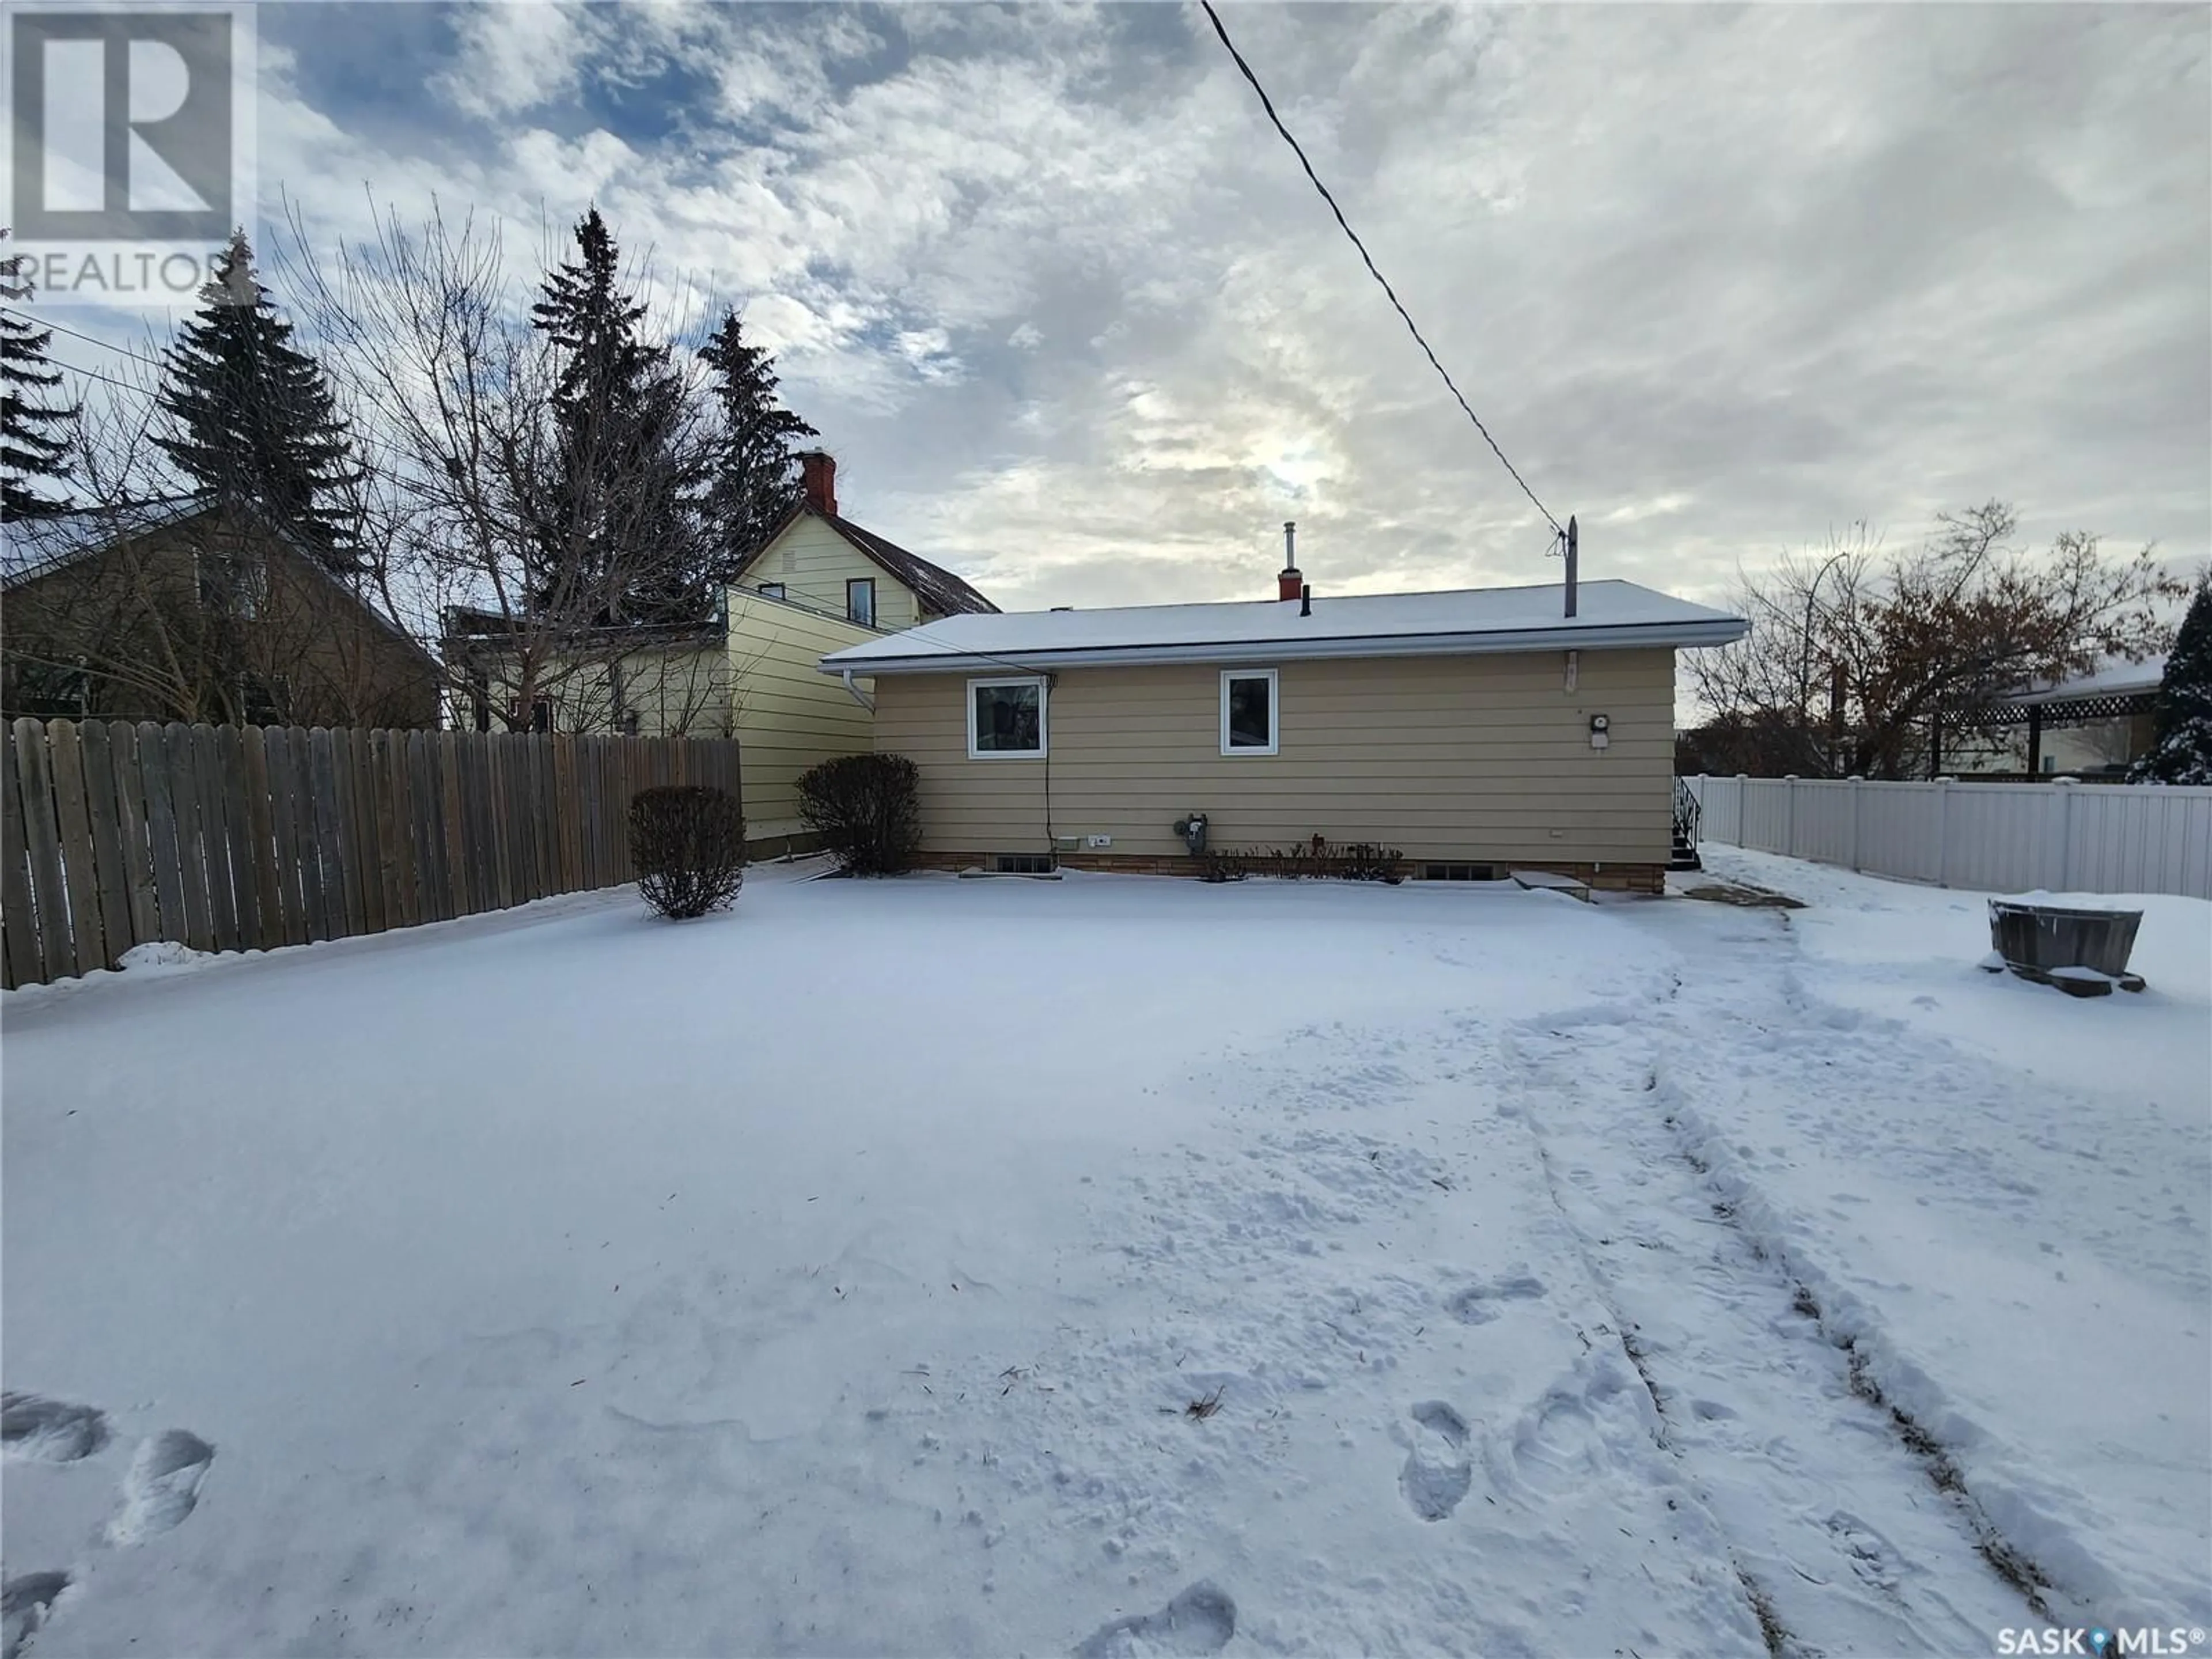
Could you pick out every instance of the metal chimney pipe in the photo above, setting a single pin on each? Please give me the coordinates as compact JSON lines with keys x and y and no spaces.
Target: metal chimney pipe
{"x":1287,"y":584}
{"x":1305,"y":599}
{"x":1572,"y":549}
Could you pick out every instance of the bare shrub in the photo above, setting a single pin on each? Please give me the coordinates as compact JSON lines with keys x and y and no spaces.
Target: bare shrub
{"x":687,"y":842}
{"x":867,"y":809}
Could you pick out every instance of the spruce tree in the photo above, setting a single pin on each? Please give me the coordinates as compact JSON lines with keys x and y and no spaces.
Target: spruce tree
{"x":249,"y":418}
{"x":33,"y":432}
{"x":2182,"y":750}
{"x":755,"y":484}
{"x":619,"y":543}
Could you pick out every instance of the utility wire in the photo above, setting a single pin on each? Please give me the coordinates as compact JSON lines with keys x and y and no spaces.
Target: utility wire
{"x":89,"y":339}
{"x":1268,"y":104}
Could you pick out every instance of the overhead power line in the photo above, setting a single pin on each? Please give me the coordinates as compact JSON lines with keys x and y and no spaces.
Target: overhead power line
{"x":79,"y":334}
{"x":1268,"y":104}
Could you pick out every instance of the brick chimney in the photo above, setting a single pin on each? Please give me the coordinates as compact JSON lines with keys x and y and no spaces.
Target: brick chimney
{"x":1289,"y":584}
{"x":817,"y":473}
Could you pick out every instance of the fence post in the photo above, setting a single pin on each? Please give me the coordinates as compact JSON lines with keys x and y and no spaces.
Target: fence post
{"x":1944,"y":831}
{"x":1790,"y":815}
{"x":1857,"y":790}
{"x":2065,"y":789}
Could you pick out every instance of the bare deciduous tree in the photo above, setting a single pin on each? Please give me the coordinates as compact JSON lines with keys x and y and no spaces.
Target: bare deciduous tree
{"x":1856,"y":659}
{"x":471,"y":506}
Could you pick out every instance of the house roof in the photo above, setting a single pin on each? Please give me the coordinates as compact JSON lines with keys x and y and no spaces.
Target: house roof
{"x":2114,"y":678}
{"x":1464,"y":621}
{"x":34,"y":547}
{"x":937,"y":588}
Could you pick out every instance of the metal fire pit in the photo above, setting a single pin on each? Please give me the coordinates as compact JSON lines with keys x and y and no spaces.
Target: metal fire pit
{"x":2083,"y":952}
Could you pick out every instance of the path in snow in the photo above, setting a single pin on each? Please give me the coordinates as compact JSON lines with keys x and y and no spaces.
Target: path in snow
{"x":1512,"y":1277}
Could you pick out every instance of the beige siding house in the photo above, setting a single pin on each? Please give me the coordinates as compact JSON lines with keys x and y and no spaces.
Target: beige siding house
{"x":1476,"y":731}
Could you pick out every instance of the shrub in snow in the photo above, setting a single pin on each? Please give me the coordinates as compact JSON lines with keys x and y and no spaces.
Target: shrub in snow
{"x":2182,"y":750}
{"x":688,"y":845}
{"x":867,"y":809}
{"x":1315,"y":860}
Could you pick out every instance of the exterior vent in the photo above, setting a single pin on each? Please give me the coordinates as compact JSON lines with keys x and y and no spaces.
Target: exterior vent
{"x":1024,"y":864}
{"x":1459,"y":873}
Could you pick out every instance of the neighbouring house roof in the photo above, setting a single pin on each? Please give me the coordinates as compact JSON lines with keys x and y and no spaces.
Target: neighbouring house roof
{"x":2115,"y":678}
{"x":937,"y":588}
{"x":34,"y":547}
{"x":1465,"y":622}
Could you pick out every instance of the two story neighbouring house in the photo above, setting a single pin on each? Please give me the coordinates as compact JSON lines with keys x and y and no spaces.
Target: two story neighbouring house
{"x":1476,"y":731}
{"x":820,"y":583}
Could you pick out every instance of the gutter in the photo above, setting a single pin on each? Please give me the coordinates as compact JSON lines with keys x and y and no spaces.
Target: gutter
{"x":856,"y":694}
{"x":1582,"y":637}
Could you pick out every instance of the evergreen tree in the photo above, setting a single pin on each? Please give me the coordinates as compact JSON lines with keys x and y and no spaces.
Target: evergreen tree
{"x":34,"y":444}
{"x":616,"y":525}
{"x":2182,"y":752}
{"x":755,"y":484}
{"x":249,"y":418}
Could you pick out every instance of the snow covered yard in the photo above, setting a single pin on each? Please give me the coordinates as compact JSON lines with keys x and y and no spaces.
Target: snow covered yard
{"x":840,"y":1275}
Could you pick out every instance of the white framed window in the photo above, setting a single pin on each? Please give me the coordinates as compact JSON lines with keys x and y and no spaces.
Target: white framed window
{"x":1248,"y":725}
{"x":861,"y":600}
{"x":1006,"y":719}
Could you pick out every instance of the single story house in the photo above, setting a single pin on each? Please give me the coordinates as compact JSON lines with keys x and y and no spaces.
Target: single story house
{"x":1477,"y":732}
{"x":2092,"y":725}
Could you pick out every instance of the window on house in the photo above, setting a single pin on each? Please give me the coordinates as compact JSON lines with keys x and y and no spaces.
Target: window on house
{"x":1005,"y":718}
{"x":861,"y":600}
{"x":771,"y":590}
{"x":47,"y":690}
{"x":541,"y":713}
{"x":1248,"y":711}
{"x":253,"y":588}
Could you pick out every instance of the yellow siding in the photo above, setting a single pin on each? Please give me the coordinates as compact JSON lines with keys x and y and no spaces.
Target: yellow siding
{"x":814,"y":562}
{"x":1475,"y":759}
{"x":787,"y":716}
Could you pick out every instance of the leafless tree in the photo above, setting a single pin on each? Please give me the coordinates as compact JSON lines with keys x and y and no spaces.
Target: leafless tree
{"x":1857,"y":659}
{"x":524,"y":582}
{"x":144,"y":601}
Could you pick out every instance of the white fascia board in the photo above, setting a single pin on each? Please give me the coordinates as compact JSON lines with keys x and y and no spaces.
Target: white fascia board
{"x":1626,"y":636}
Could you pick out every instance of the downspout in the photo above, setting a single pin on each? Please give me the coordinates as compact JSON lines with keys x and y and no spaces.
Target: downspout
{"x":856,"y":694}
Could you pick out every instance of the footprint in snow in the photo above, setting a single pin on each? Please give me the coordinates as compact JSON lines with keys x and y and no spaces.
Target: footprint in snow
{"x":1198,"y":1622}
{"x":162,"y":1485}
{"x":1438,"y":1471}
{"x":36,"y":1430}
{"x":1478,"y":1304}
{"x":24,"y":1605}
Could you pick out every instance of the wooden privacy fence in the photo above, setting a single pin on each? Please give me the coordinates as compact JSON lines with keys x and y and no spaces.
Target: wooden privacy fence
{"x":230,"y":838}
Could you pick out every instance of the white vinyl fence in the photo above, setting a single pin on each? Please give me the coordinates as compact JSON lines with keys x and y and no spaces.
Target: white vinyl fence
{"x":1999,"y":837}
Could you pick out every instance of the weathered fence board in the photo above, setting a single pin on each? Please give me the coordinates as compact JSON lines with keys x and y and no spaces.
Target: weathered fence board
{"x":22,"y":938}
{"x":105,"y":812}
{"x":74,"y":825}
{"x":249,"y":838}
{"x":137,"y":849}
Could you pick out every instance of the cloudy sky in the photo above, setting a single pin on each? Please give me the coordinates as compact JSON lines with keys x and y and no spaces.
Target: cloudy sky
{"x":1719,"y":280}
